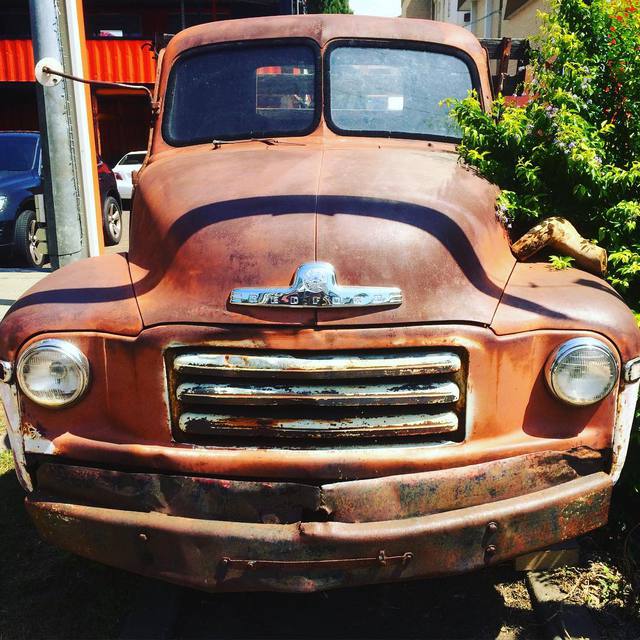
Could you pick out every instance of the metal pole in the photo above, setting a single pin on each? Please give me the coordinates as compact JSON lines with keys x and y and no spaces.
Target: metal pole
{"x":88,"y":169}
{"x":61,"y":187}
{"x":183,"y":17}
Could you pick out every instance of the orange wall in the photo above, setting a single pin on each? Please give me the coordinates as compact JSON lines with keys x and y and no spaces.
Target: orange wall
{"x":16,"y":61}
{"x":109,"y":60}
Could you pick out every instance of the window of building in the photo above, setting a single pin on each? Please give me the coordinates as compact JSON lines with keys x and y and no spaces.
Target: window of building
{"x":15,"y":24}
{"x":113,"y":25}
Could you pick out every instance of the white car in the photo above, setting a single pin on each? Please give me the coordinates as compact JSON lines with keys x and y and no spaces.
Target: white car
{"x":129,"y":163}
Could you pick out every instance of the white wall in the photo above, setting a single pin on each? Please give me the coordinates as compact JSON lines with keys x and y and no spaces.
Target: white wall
{"x":447,"y":11}
{"x":417,"y":9}
{"x":443,"y":10}
{"x":525,"y":22}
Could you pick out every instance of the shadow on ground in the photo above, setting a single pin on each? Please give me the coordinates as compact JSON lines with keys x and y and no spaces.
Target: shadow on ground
{"x":460,"y":607}
{"x":47,"y":593}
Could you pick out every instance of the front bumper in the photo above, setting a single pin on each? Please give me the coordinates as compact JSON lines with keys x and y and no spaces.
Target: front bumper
{"x":223,"y":535}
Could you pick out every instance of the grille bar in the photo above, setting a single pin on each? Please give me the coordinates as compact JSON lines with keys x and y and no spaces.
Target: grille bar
{"x":303,"y":394}
{"x":325,"y":395}
{"x":317,"y":366}
{"x":402,"y":425}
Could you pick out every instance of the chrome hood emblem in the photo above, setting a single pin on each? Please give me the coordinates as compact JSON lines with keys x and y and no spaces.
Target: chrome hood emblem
{"x":314,"y":285}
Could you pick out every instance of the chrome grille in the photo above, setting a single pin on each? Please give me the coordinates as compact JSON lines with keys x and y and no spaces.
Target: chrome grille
{"x":356,"y":394}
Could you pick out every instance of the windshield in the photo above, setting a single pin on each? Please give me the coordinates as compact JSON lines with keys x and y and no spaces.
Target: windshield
{"x":378,"y":90}
{"x":17,"y":152}
{"x":133,"y":158}
{"x":241,"y":91}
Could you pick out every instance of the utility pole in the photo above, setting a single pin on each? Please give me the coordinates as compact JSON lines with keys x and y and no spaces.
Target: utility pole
{"x":70,"y":181}
{"x":183,"y":16}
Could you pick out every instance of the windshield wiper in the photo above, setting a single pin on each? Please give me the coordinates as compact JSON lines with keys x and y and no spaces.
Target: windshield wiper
{"x":270,"y":142}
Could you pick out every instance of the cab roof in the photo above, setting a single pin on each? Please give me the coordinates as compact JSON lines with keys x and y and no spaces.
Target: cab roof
{"x":323,"y":28}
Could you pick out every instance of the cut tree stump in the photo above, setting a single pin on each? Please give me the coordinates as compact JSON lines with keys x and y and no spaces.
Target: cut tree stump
{"x":561,"y":236}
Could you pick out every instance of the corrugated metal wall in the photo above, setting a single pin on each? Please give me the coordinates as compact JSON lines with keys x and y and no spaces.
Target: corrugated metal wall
{"x":121,"y":61}
{"x":16,"y":61}
{"x":109,"y":60}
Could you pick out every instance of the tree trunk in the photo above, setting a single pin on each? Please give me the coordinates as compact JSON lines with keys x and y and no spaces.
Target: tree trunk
{"x":559,"y":234}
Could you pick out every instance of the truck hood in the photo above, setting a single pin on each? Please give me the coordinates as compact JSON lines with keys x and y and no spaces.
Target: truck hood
{"x":208,"y":221}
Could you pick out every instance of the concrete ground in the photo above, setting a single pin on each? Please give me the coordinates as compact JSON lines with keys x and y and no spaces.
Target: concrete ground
{"x":16,"y":279}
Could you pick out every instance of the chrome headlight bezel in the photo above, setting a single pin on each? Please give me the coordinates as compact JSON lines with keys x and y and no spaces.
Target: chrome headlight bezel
{"x":65,"y":349}
{"x":631,"y":371}
{"x":569,"y":347}
{"x":4,"y":201}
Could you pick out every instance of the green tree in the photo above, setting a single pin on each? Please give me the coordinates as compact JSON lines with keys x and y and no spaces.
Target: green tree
{"x":574,"y":150}
{"x":329,"y":6}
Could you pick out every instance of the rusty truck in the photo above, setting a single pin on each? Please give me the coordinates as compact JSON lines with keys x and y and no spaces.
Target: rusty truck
{"x":319,"y":364}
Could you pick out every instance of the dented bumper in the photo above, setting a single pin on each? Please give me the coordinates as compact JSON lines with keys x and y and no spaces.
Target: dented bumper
{"x":226,"y":535}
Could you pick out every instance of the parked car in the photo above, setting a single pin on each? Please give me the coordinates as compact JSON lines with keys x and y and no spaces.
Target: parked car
{"x":20,"y":159}
{"x":124,"y":169}
{"x":111,"y":204}
{"x":346,"y":376}
{"x":21,"y":180}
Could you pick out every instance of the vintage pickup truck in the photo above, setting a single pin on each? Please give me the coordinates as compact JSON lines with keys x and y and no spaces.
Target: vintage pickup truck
{"x":320,"y":363}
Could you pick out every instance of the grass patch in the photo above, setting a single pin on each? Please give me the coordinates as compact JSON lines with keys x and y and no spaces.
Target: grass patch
{"x":600,"y":586}
{"x":3,"y":424}
{"x":6,"y":462}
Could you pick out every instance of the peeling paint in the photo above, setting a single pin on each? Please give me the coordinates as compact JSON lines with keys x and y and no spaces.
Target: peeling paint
{"x":627,"y":400}
{"x":403,"y":424}
{"x":34,"y":440}
{"x":461,"y":356}
{"x":29,"y":431}
{"x":318,"y":555}
{"x":34,"y":444}
{"x":9,"y":398}
{"x":338,"y":366}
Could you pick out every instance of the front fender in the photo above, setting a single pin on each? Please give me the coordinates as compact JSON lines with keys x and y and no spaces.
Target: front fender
{"x":539,"y":297}
{"x":94,"y":294}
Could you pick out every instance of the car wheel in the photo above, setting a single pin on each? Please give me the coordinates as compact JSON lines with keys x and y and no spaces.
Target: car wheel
{"x":112,"y":221}
{"x":27,"y":245}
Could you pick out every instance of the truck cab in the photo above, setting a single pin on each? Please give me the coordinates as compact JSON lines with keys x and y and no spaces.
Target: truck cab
{"x":320,"y":363}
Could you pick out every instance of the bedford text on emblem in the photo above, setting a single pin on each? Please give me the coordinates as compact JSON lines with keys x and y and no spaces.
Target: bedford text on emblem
{"x":315,"y":285}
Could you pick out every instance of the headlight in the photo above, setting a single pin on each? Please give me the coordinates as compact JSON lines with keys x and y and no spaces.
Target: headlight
{"x":582,"y":371}
{"x":3,"y":202}
{"x":53,"y":373}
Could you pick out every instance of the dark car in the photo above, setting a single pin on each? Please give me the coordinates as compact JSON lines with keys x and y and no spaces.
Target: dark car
{"x":21,"y":180}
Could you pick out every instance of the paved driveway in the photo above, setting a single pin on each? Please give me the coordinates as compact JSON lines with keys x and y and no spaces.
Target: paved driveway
{"x":15,"y":280}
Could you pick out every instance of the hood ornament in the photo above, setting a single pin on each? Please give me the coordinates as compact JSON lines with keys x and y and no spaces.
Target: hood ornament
{"x":315,"y":286}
